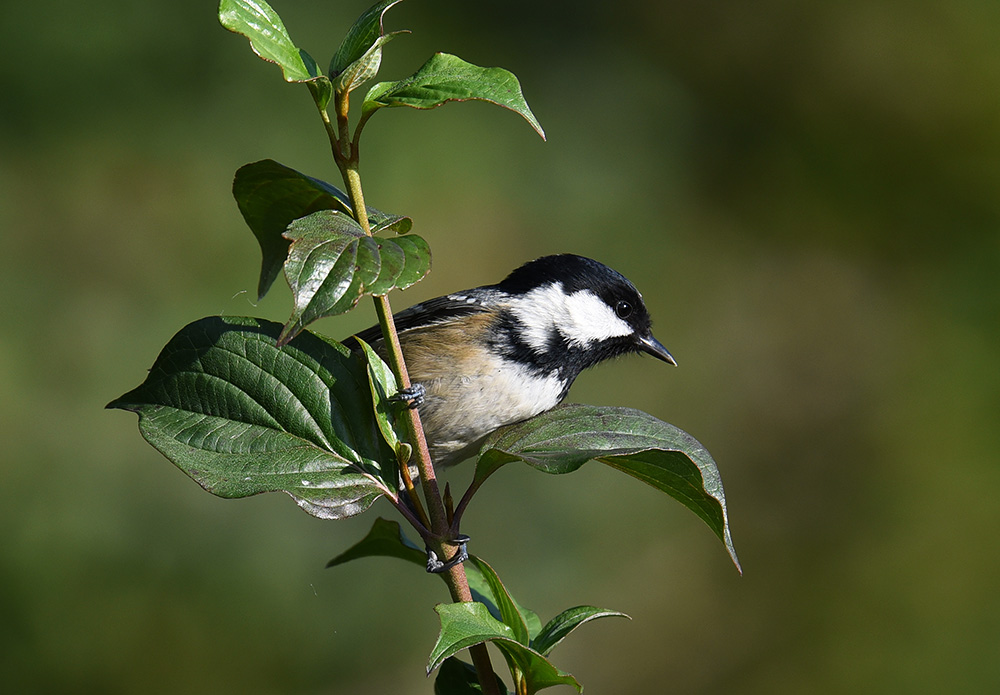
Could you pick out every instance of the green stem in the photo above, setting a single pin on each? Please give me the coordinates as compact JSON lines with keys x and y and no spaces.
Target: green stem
{"x":345,"y":153}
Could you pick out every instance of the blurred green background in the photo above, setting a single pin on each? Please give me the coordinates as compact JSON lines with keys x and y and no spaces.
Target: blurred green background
{"x":807,"y":196}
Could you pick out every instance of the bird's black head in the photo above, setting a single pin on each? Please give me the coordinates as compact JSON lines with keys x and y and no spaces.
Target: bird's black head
{"x":569,"y":312}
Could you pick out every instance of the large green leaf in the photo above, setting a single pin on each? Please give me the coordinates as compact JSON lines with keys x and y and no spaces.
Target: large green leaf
{"x":466,"y":624}
{"x":385,"y":539}
{"x":446,"y":78}
{"x":256,"y":20}
{"x":360,"y":54}
{"x":271,"y":196}
{"x":332,"y":264}
{"x":657,"y":453}
{"x":242,"y":416}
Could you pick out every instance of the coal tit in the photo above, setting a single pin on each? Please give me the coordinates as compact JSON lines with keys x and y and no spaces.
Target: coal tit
{"x":498,"y":354}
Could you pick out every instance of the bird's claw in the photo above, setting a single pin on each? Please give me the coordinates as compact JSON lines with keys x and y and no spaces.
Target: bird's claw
{"x":436,"y":566}
{"x":412,"y":396}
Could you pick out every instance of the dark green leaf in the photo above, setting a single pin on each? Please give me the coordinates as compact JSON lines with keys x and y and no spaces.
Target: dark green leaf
{"x":271,"y":196}
{"x":466,"y":624}
{"x":386,"y":539}
{"x":242,"y":416}
{"x":657,"y":453}
{"x":332,"y":264}
{"x":509,"y":613}
{"x":556,"y":630}
{"x":256,"y":20}
{"x":446,"y":78}
{"x":459,"y":678}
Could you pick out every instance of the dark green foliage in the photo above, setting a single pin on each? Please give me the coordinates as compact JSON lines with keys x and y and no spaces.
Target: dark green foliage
{"x":245,"y":406}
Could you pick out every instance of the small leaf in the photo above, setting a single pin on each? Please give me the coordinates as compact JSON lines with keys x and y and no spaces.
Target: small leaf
{"x":332,"y":263}
{"x":383,"y":386}
{"x":509,"y":613}
{"x":256,"y":20}
{"x":459,"y":678}
{"x":655,"y":452}
{"x":385,"y":539}
{"x":271,"y":196}
{"x":242,"y":416}
{"x":466,"y":624}
{"x":363,"y":35}
{"x":557,"y":629}
{"x":446,"y":78}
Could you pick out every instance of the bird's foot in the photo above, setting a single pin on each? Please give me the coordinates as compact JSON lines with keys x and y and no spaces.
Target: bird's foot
{"x":436,"y":566}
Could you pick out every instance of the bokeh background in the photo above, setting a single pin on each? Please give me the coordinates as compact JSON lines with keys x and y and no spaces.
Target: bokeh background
{"x":808,"y":195}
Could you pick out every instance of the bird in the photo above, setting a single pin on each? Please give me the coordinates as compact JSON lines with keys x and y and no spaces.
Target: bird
{"x":498,"y":354}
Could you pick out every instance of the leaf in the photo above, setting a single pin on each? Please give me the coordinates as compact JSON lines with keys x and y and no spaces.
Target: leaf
{"x":332,"y":263}
{"x":383,"y":385}
{"x":363,"y":34}
{"x":385,"y":539}
{"x":657,"y":453}
{"x":271,"y":196}
{"x":462,"y":626}
{"x":363,"y":69}
{"x":446,"y":78}
{"x":557,"y":629}
{"x":360,"y":54}
{"x":256,"y":20}
{"x":459,"y":678}
{"x":482,"y":591}
{"x":242,"y":416}
{"x":509,"y":613}
{"x":466,"y":624}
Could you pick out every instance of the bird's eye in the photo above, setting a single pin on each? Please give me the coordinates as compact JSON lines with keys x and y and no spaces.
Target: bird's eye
{"x":623,"y":309}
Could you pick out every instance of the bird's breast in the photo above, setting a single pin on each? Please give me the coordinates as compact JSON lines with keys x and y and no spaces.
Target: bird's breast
{"x":471,"y":392}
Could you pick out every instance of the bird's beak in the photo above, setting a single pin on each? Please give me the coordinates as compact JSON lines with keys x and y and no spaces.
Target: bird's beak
{"x":651,"y":345}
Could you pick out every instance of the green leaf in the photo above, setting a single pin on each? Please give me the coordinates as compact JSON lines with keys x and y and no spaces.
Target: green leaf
{"x":332,"y":264}
{"x":462,"y":626}
{"x":509,"y":613}
{"x":446,"y":78}
{"x":363,"y":34}
{"x":657,"y":453}
{"x":459,"y":678}
{"x":242,"y":416}
{"x":385,"y":539}
{"x":383,"y":387}
{"x":466,"y":624}
{"x":360,"y":54}
{"x":482,"y":591}
{"x":365,"y":68}
{"x":256,"y":20}
{"x":557,"y":629}
{"x":271,"y":196}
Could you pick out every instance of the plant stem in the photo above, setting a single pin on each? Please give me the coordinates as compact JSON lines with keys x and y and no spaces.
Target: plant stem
{"x":345,"y":153}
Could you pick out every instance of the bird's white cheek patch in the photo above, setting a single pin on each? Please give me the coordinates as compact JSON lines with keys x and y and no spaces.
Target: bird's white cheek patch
{"x":587,"y":318}
{"x":537,"y":312}
{"x":581,"y":318}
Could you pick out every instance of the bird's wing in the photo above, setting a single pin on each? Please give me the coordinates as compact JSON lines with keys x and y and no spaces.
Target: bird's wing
{"x":433,"y":311}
